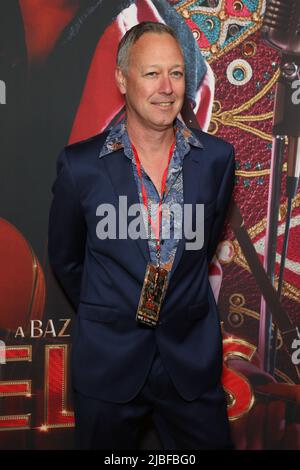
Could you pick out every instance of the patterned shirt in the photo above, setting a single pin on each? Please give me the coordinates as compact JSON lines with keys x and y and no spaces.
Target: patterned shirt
{"x":118,"y":138}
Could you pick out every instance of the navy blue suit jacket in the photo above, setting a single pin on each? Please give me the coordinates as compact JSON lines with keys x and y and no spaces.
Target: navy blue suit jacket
{"x":111,"y":352}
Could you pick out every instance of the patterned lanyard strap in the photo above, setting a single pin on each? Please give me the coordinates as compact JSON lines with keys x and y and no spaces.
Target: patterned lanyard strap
{"x":156,"y":229}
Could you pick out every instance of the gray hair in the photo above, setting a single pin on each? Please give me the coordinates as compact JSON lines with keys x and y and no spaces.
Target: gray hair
{"x":133,"y":34}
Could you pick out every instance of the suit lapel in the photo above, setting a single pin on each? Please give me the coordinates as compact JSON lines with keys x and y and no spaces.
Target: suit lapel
{"x":191,"y":180}
{"x":120,"y":172}
{"x":119,"y":169}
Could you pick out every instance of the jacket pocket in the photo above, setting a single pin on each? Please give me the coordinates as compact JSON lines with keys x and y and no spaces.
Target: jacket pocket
{"x":98,"y":313}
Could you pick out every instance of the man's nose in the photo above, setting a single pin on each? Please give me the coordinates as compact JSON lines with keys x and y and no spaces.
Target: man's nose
{"x":166,"y":85}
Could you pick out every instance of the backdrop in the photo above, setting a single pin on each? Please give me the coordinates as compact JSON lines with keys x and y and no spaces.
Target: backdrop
{"x":56,"y":86}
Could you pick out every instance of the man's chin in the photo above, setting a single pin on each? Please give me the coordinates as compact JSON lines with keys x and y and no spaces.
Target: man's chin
{"x":164,"y":123}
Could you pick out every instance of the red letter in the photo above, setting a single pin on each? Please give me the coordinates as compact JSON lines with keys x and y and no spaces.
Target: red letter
{"x":236,"y":385}
{"x":56,"y":415}
{"x":16,"y":388}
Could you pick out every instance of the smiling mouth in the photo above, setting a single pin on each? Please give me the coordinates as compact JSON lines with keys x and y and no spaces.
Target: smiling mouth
{"x":165,"y":104}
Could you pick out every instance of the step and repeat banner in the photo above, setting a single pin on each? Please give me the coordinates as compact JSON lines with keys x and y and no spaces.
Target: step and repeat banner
{"x":57,"y":60}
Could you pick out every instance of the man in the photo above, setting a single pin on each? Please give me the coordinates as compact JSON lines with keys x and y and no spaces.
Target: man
{"x":147,"y":337}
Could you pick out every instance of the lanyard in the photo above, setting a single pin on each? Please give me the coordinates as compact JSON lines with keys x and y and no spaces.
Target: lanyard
{"x":145,"y":197}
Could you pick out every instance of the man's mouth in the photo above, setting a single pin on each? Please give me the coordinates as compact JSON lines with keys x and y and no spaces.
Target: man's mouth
{"x":165,"y":104}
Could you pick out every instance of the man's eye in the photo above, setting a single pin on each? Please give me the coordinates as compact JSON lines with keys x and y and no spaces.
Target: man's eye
{"x":177,"y":73}
{"x":152,"y":74}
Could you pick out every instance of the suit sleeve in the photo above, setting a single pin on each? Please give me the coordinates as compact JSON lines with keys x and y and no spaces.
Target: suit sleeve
{"x":67,"y":232}
{"x":223,"y":200}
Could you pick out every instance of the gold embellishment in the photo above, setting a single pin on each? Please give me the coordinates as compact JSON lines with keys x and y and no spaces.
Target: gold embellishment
{"x":249,"y":49}
{"x":222,"y":15}
{"x":27,"y":358}
{"x":64,"y":412}
{"x":13,"y":393}
{"x":216,"y":51}
{"x":254,"y":173}
{"x":235,"y":323}
{"x":185,"y":13}
{"x":248,"y":358}
{"x":236,"y":307}
{"x":237,"y":6}
{"x":27,"y":417}
{"x":234,"y":118}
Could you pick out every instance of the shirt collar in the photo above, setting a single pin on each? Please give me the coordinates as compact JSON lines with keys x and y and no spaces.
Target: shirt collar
{"x":118,"y":138}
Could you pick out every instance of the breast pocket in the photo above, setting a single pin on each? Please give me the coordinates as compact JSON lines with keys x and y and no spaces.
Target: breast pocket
{"x":98,"y":313}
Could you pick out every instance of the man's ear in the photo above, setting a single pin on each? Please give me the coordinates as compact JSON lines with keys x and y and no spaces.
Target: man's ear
{"x":120,"y":80}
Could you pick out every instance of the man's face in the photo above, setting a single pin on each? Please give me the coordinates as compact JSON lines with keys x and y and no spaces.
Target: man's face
{"x":154,"y":83}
